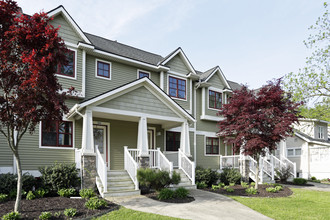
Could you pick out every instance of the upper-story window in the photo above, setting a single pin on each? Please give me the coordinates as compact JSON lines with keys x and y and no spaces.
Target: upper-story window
{"x":212,"y":146}
{"x":103,"y":69}
{"x":177,"y":87}
{"x":68,"y":69}
{"x":320,"y":132}
{"x":215,"y":99}
{"x":56,"y":134}
{"x":142,"y":73}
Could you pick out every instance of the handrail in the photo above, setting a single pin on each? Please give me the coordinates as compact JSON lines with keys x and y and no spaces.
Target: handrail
{"x":164,"y":163}
{"x":131,"y":166}
{"x":101,"y":168}
{"x":224,"y":161}
{"x":135,"y":154}
{"x":294,"y":172}
{"x":269,"y":168}
{"x":187,"y":166}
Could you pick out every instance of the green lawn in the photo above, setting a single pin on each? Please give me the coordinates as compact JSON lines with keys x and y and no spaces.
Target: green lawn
{"x":303,"y":204}
{"x":129,"y":214}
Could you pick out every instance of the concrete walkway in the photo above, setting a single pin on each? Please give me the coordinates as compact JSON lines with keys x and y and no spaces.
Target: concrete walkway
{"x":207,"y":205}
{"x":317,"y":186}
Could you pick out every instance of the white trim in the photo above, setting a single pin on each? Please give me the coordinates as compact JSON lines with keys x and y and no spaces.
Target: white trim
{"x":208,"y":98}
{"x":6,"y":170}
{"x":203,"y":101}
{"x":143,"y":71}
{"x":161,"y":80}
{"x":183,"y":56}
{"x":178,"y":129}
{"x":207,"y":133}
{"x":168,"y":86}
{"x":75,"y":66}
{"x":154,"y":129}
{"x":83,"y":80}
{"x":211,"y":118}
{"x":69,"y":44}
{"x":106,"y":62}
{"x":211,"y":155}
{"x":190,"y":104}
{"x":70,"y":20}
{"x":311,"y":141}
{"x":221,"y":75}
{"x":178,"y":74}
{"x":108,"y":137}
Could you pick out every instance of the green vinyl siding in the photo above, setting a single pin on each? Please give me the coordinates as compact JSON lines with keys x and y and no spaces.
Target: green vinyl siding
{"x":121,"y":74}
{"x":216,"y":82}
{"x":66,"y":32}
{"x":6,"y":155}
{"x":177,"y":65}
{"x":78,"y":133}
{"x":70,"y":102}
{"x":140,"y":100}
{"x":203,"y":125}
{"x":202,"y":160}
{"x":191,"y":139}
{"x":183,"y":103}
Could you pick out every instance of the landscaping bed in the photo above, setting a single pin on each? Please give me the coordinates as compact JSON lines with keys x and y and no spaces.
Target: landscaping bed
{"x":31,"y":209}
{"x":241,"y":191}
{"x":154,"y":196}
{"x":294,"y":184}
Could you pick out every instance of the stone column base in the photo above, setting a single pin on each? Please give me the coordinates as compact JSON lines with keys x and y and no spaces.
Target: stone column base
{"x":144,"y":161}
{"x":88,"y":171}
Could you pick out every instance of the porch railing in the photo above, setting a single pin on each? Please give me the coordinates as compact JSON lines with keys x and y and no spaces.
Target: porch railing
{"x":229,"y":161}
{"x":135,"y":154}
{"x":153,"y":158}
{"x":253,"y":169}
{"x":131,"y":166}
{"x":173,"y":156}
{"x":187,"y":166}
{"x":77,"y":158}
{"x":164,"y":163}
{"x":283,"y":163}
{"x":268,"y":168}
{"x":101,"y":168}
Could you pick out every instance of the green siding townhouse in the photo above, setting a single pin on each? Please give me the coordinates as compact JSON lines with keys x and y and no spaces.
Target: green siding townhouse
{"x":132,"y":108}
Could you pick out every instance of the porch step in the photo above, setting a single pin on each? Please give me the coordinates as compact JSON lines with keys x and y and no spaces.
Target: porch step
{"x":185,"y":181}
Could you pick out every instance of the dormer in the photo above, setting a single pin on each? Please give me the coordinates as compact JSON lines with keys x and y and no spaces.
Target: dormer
{"x":314,"y":128}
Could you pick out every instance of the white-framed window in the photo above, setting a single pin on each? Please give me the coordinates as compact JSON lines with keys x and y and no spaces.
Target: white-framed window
{"x":56,"y":134}
{"x":293,"y":152}
{"x":142,"y":73}
{"x":212,"y":146}
{"x":69,"y":70}
{"x":320,"y":132}
{"x":102,"y":69}
{"x":177,"y":87}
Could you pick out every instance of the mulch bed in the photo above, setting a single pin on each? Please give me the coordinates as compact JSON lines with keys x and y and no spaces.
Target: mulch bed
{"x":153,"y":195}
{"x":240,"y":191}
{"x":31,"y":209}
{"x":291,"y":183}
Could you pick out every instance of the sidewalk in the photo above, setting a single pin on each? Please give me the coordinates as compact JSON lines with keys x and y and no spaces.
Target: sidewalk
{"x":207,"y":205}
{"x":317,"y":186}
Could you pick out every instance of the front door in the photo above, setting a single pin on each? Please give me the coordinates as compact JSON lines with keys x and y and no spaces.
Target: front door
{"x":101,"y":141}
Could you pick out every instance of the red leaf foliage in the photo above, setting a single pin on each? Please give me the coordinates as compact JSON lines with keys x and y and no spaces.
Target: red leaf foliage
{"x":30,"y":52}
{"x":255,"y":121}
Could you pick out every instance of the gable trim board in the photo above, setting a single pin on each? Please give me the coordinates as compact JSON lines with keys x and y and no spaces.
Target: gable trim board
{"x":183,"y":56}
{"x":221,"y":75}
{"x":311,"y":141}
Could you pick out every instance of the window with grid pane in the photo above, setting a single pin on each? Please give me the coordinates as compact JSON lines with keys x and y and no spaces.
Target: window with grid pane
{"x":103,"y":69}
{"x":212,"y":146}
{"x":215,"y":99}
{"x":68,"y":69}
{"x":57,"y":134}
{"x":177,"y":88}
{"x":172,"y":141}
{"x":143,"y":74}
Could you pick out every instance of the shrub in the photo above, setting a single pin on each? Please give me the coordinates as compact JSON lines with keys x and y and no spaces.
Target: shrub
{"x":3,"y":197}
{"x":279,"y":188}
{"x":45,"y":215}
{"x":299,"y":181}
{"x":271,"y":189}
{"x":277,"y":184}
{"x":283,"y":174}
{"x":231,"y":184}
{"x":165,"y":194}
{"x":244,"y":184}
{"x":66,"y":192}
{"x":228,"y":189}
{"x":208,"y":176}
{"x":95,"y":203}
{"x":57,"y":214}
{"x":12,"y":194}
{"x":40,"y":193}
{"x":230,"y":175}
{"x":252,"y":184}
{"x":181,"y":193}
{"x":8,"y":183}
{"x":11,"y":216}
{"x":87,"y":193}
{"x":201,"y":185}
{"x":313,"y":178}
{"x":71,"y":212}
{"x":59,"y":176}
{"x":251,"y":191}
{"x":215,"y":187}
{"x":30,"y":196}
{"x":29,"y":182}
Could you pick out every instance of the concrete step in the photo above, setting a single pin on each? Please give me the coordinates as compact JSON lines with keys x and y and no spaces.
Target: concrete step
{"x":120,"y":183}
{"x":114,"y":193}
{"x":119,"y":178}
{"x":122,"y":187}
{"x":117,"y":172}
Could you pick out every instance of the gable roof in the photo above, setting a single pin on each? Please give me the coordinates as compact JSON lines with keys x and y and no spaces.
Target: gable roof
{"x":61,"y":10}
{"x":310,"y":139}
{"x":209,"y":73}
{"x":185,"y":59}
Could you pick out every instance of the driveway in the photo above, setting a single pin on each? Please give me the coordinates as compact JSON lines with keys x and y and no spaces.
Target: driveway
{"x":207,"y":205}
{"x":317,"y":186}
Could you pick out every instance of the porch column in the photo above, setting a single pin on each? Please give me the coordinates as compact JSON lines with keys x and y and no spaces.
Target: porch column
{"x":143,"y":142}
{"x":184,"y":140}
{"x":87,"y":138}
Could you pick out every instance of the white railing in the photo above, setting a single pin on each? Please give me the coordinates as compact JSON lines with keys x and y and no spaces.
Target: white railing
{"x":164,"y":163}
{"x":131,"y":166}
{"x":153,"y":158}
{"x":268,"y":168}
{"x":135,"y":154}
{"x":285,"y":162}
{"x":77,"y":158}
{"x":229,"y":161}
{"x":253,"y":169}
{"x":187,"y":166}
{"x":173,"y":156}
{"x":101,"y":168}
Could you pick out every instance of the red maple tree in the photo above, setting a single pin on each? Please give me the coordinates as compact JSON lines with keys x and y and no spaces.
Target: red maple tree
{"x":256,"y":121}
{"x":29,"y":91}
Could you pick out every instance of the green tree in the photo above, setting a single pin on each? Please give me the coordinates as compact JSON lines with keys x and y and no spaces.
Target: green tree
{"x":312,"y":83}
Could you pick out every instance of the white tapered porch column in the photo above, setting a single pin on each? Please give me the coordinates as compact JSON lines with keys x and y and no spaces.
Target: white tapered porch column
{"x":143,"y":137}
{"x":87,"y":138}
{"x":184,"y":141}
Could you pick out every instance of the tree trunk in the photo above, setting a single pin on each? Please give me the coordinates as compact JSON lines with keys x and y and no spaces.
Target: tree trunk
{"x":257,"y":173}
{"x":19,"y":183}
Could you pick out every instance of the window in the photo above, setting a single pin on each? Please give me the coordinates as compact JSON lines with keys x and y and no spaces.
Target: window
{"x":56,"y":134}
{"x":177,"y":87}
{"x":215,"y":99}
{"x":68,"y":69}
{"x":320,"y":132}
{"x":142,"y":74}
{"x":103,"y":69}
{"x":172,"y":141}
{"x":212,"y":146}
{"x":294,"y":152}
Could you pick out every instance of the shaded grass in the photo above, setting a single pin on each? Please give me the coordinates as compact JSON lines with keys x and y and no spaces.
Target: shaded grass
{"x":129,"y":214}
{"x":303,"y":204}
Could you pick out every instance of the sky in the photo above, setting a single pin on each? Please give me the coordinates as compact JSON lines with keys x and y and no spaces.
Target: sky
{"x":251,"y":41}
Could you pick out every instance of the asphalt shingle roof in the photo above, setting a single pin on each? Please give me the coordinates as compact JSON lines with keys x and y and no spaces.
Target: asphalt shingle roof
{"x":312,"y":139}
